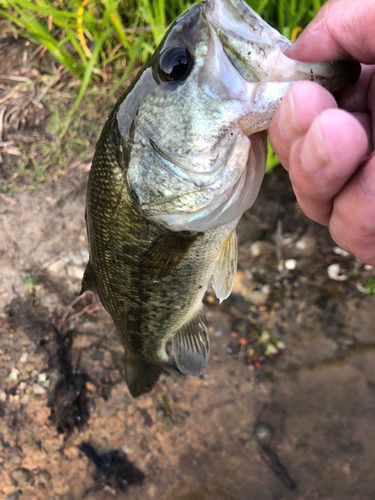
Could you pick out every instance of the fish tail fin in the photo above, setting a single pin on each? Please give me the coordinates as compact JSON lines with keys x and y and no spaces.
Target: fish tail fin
{"x":141,"y":377}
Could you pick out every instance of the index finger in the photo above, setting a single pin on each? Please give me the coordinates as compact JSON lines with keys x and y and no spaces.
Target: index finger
{"x":341,"y":29}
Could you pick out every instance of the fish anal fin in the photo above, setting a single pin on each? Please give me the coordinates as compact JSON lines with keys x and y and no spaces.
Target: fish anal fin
{"x":88,"y":280}
{"x":166,"y":254}
{"x":141,"y":377}
{"x":225,"y":267}
{"x":191,"y":345}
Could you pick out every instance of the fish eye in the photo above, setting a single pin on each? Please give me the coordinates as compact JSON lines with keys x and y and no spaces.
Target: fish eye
{"x":175,"y":63}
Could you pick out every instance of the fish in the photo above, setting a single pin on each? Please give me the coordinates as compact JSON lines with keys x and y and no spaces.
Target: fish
{"x":179,"y":160}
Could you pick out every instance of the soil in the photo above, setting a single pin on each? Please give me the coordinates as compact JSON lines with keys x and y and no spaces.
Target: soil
{"x":283,"y":410}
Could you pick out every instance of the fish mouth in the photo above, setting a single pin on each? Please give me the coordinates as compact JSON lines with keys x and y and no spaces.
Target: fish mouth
{"x":256,"y":50}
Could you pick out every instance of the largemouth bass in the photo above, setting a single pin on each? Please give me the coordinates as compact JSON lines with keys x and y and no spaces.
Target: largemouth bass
{"x":179,"y":160}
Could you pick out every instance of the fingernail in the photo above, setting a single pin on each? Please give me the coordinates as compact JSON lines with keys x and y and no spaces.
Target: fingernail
{"x":313,"y":153}
{"x":287,"y":122}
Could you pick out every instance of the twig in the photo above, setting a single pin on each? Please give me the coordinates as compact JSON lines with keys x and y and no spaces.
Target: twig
{"x":72,"y":304}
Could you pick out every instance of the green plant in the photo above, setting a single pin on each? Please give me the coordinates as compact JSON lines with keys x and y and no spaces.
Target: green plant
{"x":31,"y":283}
{"x":370,"y":286}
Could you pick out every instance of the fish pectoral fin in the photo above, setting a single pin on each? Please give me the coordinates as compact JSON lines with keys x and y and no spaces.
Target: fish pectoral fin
{"x":191,"y":345}
{"x":141,"y":377}
{"x":88,"y":280}
{"x":166,"y":254}
{"x":225,"y":267}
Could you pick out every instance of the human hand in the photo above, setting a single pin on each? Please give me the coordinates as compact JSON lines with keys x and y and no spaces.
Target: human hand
{"x":329,"y":152}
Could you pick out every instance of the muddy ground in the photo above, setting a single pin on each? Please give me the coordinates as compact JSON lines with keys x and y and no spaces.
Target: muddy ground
{"x":284,"y":409}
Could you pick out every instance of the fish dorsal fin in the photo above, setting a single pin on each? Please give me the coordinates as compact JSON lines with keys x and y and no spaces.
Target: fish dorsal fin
{"x":141,"y":377}
{"x":88,"y":280}
{"x":166,"y":254}
{"x":191,"y":345}
{"x":225,"y":267}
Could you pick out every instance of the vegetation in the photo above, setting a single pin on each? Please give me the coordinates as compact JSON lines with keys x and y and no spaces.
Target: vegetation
{"x":370,"y":286}
{"x":102,"y":40}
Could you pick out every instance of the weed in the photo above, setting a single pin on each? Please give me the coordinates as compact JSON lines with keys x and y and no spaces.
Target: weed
{"x":370,"y":286}
{"x":31,"y":283}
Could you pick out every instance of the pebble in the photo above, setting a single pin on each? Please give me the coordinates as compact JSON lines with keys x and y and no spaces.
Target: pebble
{"x":25,"y":399}
{"x":290,"y":264}
{"x":340,"y":251}
{"x":38,"y":389}
{"x":57,"y":266}
{"x":258,"y":298}
{"x":3,"y":396}
{"x":24,"y":357}
{"x":334,"y":272}
{"x":264,"y":433}
{"x":21,"y":475}
{"x":75,"y":272}
{"x":302,"y":244}
{"x":261,"y":248}
{"x":305,"y":246}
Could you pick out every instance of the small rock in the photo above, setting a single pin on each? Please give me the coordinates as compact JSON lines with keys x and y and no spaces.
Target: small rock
{"x":38,"y":389}
{"x":25,"y":399}
{"x":290,"y":264}
{"x":340,"y":251}
{"x":263,"y":248}
{"x":305,"y":246}
{"x":75,"y":272}
{"x":258,"y":298}
{"x":302,"y":244}
{"x":3,"y":396}
{"x":218,"y":333}
{"x":264,"y":433}
{"x":57,"y":266}
{"x":21,"y":475}
{"x":24,"y":357}
{"x":14,"y":456}
{"x":335,"y":273}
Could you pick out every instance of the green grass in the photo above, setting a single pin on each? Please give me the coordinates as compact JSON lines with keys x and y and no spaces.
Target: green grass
{"x":103,"y":40}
